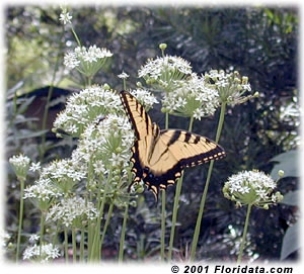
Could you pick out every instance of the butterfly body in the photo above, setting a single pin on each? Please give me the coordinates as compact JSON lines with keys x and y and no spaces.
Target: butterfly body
{"x":159,"y":156}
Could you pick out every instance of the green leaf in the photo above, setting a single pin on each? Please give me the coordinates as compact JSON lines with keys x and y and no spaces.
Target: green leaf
{"x":287,"y":161}
{"x":291,"y":241}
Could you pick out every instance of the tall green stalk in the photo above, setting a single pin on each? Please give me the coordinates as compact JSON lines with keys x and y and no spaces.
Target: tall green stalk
{"x":21,"y":206}
{"x":94,"y":248}
{"x":163,"y":209}
{"x":123,"y":233}
{"x":204,"y":196}
{"x":239,"y":259}
{"x":163,"y":225}
{"x":105,"y":227}
{"x":175,"y":205}
{"x":41,"y":236}
{"x":81,"y":252}
{"x":74,"y":244}
{"x":66,"y":244}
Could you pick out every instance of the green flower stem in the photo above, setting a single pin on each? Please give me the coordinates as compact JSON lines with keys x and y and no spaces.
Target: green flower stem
{"x":21,"y":206}
{"x":163,"y":225}
{"x":76,"y":37}
{"x":66,"y":244}
{"x":239,"y":259}
{"x":200,"y":214}
{"x":95,"y":247}
{"x":163,"y":209}
{"x":81,"y":253}
{"x":123,"y":233}
{"x":42,"y":221}
{"x":221,"y":122}
{"x":105,"y":227}
{"x":175,"y":205}
{"x":91,"y":223}
{"x":74,"y":244}
{"x":204,"y":196}
{"x":95,"y":253}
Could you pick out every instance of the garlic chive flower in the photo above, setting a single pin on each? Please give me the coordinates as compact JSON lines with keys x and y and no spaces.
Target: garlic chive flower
{"x":72,"y":212}
{"x":107,"y":148}
{"x":252,"y":188}
{"x":193,"y":98}
{"x":87,"y":61}
{"x":64,"y":174}
{"x":42,"y":253}
{"x":144,"y":97}
{"x":163,"y":72}
{"x":65,"y":17}
{"x":123,"y":75}
{"x":84,"y":107}
{"x":33,"y":238}
{"x":42,"y":193}
{"x":35,"y":167}
{"x":230,"y":86}
{"x":20,"y":164}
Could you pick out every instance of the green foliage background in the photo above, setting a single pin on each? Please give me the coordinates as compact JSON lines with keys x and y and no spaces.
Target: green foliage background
{"x":260,"y":43}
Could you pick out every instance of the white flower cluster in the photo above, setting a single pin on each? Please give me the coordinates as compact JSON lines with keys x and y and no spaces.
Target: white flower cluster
{"x":43,"y":190}
{"x":90,"y":55}
{"x":87,"y":60}
{"x":84,"y":107}
{"x":192,"y":98}
{"x":106,"y":144}
{"x":20,"y":164}
{"x":230,"y":86}
{"x":164,"y":66}
{"x":43,"y":253}
{"x":20,"y":161}
{"x":72,"y":211}
{"x":144,"y":97}
{"x":251,"y":187}
{"x":64,"y":169}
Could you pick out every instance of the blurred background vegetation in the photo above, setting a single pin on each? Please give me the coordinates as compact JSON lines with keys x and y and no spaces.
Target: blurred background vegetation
{"x":260,"y":43}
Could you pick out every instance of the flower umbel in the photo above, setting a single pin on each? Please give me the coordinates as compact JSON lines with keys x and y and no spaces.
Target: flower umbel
{"x":251,"y":188}
{"x":144,"y":97}
{"x":72,"y":212}
{"x":21,"y":165}
{"x":193,"y":98}
{"x":87,"y":60}
{"x":42,"y":193}
{"x":107,"y":147}
{"x":231,"y":86}
{"x":164,"y":73}
{"x":41,"y":253}
{"x":84,"y":107}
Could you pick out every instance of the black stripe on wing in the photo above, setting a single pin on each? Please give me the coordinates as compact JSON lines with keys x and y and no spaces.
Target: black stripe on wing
{"x":134,"y":109}
{"x":212,"y":151}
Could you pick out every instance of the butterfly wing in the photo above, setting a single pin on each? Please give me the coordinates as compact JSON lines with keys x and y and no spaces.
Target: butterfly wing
{"x":160,"y":156}
{"x":175,"y":150}
{"x":145,"y":131}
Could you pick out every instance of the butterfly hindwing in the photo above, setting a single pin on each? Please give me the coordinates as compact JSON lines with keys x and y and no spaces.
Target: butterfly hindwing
{"x":186,"y":148}
{"x":159,"y":156}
